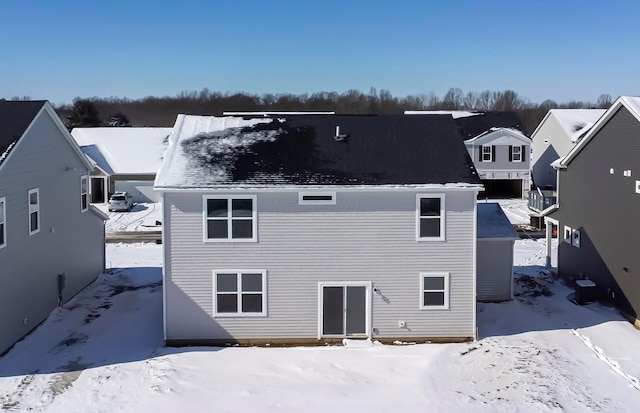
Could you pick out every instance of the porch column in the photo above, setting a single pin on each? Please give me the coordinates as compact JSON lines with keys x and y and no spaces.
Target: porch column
{"x":549,"y":236}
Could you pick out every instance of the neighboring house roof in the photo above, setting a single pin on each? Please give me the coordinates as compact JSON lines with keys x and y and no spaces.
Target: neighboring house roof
{"x":494,"y":134}
{"x":631,"y":103}
{"x":470,"y":127}
{"x":274,"y":113}
{"x":493,"y":223}
{"x":473,"y":123}
{"x":454,"y":113}
{"x":15,"y":118}
{"x":575,"y":122}
{"x":208,"y":151}
{"x":124,"y":150}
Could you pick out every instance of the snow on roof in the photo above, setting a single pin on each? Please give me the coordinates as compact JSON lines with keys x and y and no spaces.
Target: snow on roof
{"x":454,"y":113}
{"x":633,"y":104}
{"x":514,"y":130}
{"x":274,"y":113}
{"x":124,"y":150}
{"x":309,"y":150}
{"x":493,"y":223}
{"x":576,"y":122}
{"x":189,"y":135}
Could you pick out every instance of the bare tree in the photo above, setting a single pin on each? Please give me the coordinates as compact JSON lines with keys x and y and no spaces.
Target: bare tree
{"x":470,"y":101}
{"x":452,"y":100}
{"x":604,"y":101}
{"x":485,"y":100}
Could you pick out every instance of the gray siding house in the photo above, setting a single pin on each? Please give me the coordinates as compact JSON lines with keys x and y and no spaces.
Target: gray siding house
{"x":309,"y":229}
{"x":501,"y":157}
{"x":598,"y":208}
{"x":47,"y":226}
{"x":554,"y":137}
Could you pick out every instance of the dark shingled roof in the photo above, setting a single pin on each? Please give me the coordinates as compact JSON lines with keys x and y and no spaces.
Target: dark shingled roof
{"x":15,"y":118}
{"x":472,"y":126}
{"x":372,"y":150}
{"x":493,"y":223}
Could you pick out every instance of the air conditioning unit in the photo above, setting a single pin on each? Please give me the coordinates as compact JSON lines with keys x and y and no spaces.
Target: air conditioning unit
{"x":585,"y":292}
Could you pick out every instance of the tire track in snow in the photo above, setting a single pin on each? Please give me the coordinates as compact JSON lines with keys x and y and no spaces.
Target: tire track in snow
{"x":613,"y":365}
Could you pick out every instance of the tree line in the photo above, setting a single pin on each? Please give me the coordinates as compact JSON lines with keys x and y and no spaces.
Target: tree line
{"x":162,"y":111}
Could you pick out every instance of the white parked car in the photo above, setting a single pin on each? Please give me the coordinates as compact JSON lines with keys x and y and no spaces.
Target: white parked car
{"x":121,"y":201}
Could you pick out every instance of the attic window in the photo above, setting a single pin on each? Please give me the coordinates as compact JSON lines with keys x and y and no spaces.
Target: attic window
{"x":316,"y":198}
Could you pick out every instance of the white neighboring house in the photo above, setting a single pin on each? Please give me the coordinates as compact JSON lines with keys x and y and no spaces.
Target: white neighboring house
{"x":501,"y":157}
{"x":554,"y":137}
{"x":124,"y":159}
{"x":51,"y":238}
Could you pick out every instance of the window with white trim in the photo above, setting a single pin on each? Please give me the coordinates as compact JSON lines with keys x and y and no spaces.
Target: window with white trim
{"x":230,"y":218}
{"x":3,"y":221}
{"x":575,"y":238}
{"x":34,"y":211}
{"x":434,"y":290}
{"x":240,"y":292}
{"x":516,"y":153}
{"x":567,"y":234}
{"x":316,"y":198}
{"x":84,"y":193}
{"x":487,"y":153}
{"x":430,"y":217}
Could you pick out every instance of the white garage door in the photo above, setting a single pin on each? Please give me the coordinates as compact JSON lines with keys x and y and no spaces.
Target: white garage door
{"x":142,"y":191}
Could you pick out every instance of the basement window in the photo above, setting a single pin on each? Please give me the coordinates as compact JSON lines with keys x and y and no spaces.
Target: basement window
{"x":317,"y":198}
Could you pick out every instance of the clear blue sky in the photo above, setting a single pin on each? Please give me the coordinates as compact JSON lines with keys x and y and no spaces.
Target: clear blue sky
{"x":561,"y":50}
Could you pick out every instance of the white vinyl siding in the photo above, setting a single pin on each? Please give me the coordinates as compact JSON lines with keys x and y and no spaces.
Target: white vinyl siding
{"x":34,"y":211}
{"x":434,"y":291}
{"x":369,"y":236}
{"x":240,"y":293}
{"x":3,"y":222}
{"x":430,"y":217}
{"x":230,"y":218}
{"x":84,"y":193}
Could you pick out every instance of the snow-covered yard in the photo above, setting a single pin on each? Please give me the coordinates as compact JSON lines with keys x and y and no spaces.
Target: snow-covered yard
{"x":103,"y":352}
{"x":142,"y":217}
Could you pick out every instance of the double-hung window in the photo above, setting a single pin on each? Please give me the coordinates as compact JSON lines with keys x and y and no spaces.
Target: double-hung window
{"x":84,"y":193}
{"x":430,"y":217}
{"x":434,"y":290}
{"x":3,"y":222}
{"x":516,"y":154}
{"x":34,"y":211}
{"x":230,"y":218}
{"x":241,"y":292}
{"x":487,"y":153}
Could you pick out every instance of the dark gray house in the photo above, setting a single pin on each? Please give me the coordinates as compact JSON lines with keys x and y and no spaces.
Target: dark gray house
{"x":309,"y":229}
{"x":47,"y":226}
{"x":598,"y":208}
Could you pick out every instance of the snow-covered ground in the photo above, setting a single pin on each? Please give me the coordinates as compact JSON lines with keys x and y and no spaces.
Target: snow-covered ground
{"x":515,"y":209}
{"x":538,"y":353}
{"x":142,"y":217}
